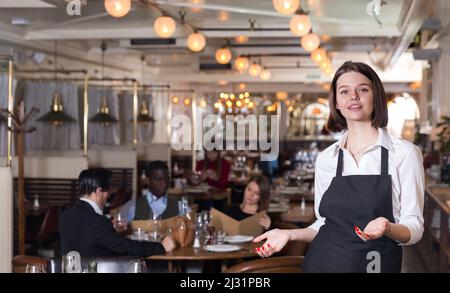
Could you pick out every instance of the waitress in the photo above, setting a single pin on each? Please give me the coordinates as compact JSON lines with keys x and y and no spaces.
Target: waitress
{"x":368,"y":180}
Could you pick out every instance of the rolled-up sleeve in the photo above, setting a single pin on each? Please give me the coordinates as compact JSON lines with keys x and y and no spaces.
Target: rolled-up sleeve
{"x":320,"y":186}
{"x":412,"y":194}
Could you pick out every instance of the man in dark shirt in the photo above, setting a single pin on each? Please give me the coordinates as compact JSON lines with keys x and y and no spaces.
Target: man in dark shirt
{"x":83,"y":227}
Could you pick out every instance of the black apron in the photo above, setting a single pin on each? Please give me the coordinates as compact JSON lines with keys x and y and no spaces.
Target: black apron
{"x":354,"y":201}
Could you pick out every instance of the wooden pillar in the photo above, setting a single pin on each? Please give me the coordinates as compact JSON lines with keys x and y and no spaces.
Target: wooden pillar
{"x":21,"y":192}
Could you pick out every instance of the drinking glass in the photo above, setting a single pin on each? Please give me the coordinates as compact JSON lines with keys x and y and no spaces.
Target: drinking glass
{"x":71,"y":262}
{"x":35,"y":268}
{"x":137,"y":266}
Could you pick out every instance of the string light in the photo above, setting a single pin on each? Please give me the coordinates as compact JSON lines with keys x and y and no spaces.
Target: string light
{"x":164,"y":26}
{"x":117,"y":8}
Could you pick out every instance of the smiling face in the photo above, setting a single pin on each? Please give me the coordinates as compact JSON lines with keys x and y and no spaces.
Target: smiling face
{"x":354,"y":97}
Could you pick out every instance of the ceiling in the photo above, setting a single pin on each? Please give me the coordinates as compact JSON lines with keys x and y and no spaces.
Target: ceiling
{"x":352,"y":34}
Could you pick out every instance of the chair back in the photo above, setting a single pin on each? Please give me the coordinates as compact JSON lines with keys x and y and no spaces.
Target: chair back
{"x":21,"y":261}
{"x":49,"y":227}
{"x":274,"y":264}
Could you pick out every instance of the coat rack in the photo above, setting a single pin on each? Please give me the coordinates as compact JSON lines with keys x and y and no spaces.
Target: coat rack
{"x":17,"y":116}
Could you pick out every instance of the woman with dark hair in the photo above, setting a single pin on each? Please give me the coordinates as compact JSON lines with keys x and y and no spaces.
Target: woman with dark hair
{"x":256,"y":199}
{"x":215,"y":170}
{"x":369,"y":186}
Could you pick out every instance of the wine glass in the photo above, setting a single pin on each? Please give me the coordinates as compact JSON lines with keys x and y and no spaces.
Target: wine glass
{"x":35,"y":268}
{"x":137,"y":266}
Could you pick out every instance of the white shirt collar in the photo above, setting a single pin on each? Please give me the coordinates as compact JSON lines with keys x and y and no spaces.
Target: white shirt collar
{"x":94,"y":205}
{"x":383,"y":140}
{"x":153,"y":197}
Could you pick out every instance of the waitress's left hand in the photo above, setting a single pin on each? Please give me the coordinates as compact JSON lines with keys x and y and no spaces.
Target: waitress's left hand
{"x":377,"y":228}
{"x":265,"y":222}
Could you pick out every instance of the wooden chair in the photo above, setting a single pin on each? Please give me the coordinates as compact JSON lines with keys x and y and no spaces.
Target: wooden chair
{"x":20,"y":262}
{"x":298,"y":248}
{"x":48,"y":233}
{"x":274,"y":264}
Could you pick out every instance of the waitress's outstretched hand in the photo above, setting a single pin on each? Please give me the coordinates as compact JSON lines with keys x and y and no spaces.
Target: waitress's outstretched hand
{"x":276,"y":240}
{"x":377,"y":228}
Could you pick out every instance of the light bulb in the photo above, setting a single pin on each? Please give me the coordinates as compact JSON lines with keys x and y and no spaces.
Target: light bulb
{"x":319,"y":55}
{"x":286,"y":6}
{"x":241,"y":64}
{"x":300,"y":25}
{"x":310,"y":42}
{"x":241,"y":39}
{"x":223,"y":55}
{"x":117,"y":8}
{"x":196,"y":42}
{"x":164,"y":26}
{"x":254,"y":69}
{"x":265,"y":74}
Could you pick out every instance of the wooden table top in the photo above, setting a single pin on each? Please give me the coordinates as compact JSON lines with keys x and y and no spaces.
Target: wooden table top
{"x":216,"y":194}
{"x":190,"y":253}
{"x":440,"y":193}
{"x":296,"y":215}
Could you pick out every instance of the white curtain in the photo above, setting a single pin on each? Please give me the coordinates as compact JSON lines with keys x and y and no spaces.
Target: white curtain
{"x":161,"y":108}
{"x":145,"y":131}
{"x":39,"y":94}
{"x":4,"y":104}
{"x":99,"y":134}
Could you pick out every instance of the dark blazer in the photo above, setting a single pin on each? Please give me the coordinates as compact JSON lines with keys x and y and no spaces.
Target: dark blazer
{"x":83,"y":230}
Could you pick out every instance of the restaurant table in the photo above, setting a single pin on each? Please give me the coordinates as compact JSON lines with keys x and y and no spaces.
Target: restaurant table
{"x":213,"y":193}
{"x":438,"y":197}
{"x":295,"y":214}
{"x":295,"y":194}
{"x":179,"y":256}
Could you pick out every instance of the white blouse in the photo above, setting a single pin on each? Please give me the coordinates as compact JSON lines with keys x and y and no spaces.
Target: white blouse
{"x":405,"y":168}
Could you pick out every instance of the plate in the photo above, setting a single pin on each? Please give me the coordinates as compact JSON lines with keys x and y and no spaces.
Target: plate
{"x":222,"y":248}
{"x":238,"y":238}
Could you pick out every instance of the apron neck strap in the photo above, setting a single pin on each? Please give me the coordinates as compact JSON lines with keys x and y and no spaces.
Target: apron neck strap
{"x":384,"y":161}
{"x":340,"y":163}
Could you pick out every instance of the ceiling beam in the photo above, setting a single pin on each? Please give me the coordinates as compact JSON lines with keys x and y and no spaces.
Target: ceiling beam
{"x":417,"y":11}
{"x":65,"y":51}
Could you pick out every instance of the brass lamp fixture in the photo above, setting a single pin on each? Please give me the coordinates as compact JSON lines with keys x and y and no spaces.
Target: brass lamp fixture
{"x":103,"y":117}
{"x":144,"y":112}
{"x":56,"y":116}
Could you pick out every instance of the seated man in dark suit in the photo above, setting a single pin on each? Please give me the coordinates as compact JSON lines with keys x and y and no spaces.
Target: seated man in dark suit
{"x":83,"y":227}
{"x":155,"y":203}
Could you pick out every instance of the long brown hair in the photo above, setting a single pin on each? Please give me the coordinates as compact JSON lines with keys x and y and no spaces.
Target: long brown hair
{"x":336,"y":121}
{"x":264,"y":191}
{"x":218,"y":164}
